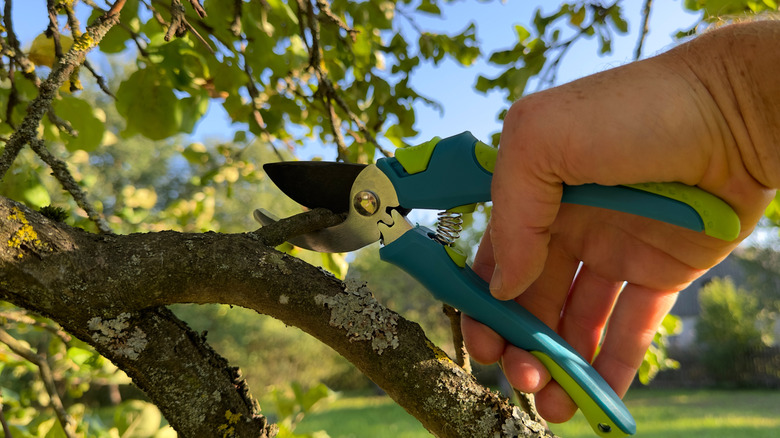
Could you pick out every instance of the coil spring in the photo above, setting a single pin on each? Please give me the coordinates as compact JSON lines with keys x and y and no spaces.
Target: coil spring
{"x":448,"y":227}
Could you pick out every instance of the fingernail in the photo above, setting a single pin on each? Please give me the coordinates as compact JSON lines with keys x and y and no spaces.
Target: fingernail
{"x":495,"y":281}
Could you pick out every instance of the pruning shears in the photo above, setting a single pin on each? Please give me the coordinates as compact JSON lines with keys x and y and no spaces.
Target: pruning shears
{"x":453,"y":174}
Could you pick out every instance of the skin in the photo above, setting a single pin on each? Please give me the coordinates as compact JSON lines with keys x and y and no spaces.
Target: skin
{"x":707,"y":114}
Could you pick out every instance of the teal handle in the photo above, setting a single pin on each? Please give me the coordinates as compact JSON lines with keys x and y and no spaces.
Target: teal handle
{"x":428,"y":261}
{"x":457,"y":171}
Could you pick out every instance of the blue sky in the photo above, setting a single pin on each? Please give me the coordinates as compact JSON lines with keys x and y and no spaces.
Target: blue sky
{"x":450,"y":84}
{"x":463,"y":107}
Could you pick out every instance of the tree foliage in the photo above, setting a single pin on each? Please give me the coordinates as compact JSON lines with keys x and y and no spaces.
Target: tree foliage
{"x":732,"y":327}
{"x":110,"y":152}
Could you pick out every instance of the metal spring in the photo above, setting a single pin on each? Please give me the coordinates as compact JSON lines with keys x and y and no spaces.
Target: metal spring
{"x":448,"y":228}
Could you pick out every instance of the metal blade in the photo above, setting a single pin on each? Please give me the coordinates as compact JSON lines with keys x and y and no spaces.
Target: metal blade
{"x":316,"y":184}
{"x":361,"y":226}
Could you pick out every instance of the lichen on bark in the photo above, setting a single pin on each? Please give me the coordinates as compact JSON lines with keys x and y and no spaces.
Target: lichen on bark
{"x":362,"y":316}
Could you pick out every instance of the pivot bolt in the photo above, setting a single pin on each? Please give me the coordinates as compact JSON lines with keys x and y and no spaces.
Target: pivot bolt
{"x":366,"y":203}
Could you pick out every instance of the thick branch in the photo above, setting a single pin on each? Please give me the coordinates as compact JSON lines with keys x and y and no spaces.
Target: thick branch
{"x":106,"y":277}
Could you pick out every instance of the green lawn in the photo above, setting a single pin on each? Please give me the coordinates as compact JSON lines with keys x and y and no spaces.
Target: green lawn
{"x":667,"y":414}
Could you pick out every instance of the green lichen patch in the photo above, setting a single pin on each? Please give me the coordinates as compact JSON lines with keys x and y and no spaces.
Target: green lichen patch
{"x":360,"y":314}
{"x":25,"y":236}
{"x":228,"y":429}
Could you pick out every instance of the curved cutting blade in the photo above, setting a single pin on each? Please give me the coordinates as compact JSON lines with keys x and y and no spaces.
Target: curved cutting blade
{"x":316,"y":184}
{"x":357,"y":230}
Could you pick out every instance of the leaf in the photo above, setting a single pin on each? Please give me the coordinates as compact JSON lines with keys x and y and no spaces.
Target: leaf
{"x":79,"y":356}
{"x":137,"y":419}
{"x":194,"y":108}
{"x":335,"y":264}
{"x":82,"y":118}
{"x":617,"y":19}
{"x":313,"y":396}
{"x":148,"y":105}
{"x":578,"y":16}
{"x":36,"y":194}
{"x":42,"y":49}
{"x":429,"y":7}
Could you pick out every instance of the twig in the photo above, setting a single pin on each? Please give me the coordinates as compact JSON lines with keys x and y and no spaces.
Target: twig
{"x":67,"y":422}
{"x":329,"y":90}
{"x":644,"y":29}
{"x":48,"y":88}
{"x":307,"y":222}
{"x":198,"y":8}
{"x":13,"y":50}
{"x":22,"y":318}
{"x":461,"y":354}
{"x":100,"y":80}
{"x":177,"y":26}
{"x":60,"y":171}
{"x":324,"y":7}
{"x":6,"y":429}
{"x":235,"y":25}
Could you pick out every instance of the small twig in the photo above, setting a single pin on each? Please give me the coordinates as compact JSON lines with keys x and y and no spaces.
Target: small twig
{"x":13,"y":98}
{"x":335,"y":127}
{"x":60,"y":171}
{"x":177,"y":26}
{"x":100,"y":80}
{"x":67,"y":422}
{"x":22,"y":318}
{"x":6,"y":428}
{"x":198,"y":8}
{"x":644,"y":29}
{"x":14,"y":51}
{"x":235,"y":25}
{"x":61,"y":123}
{"x":461,"y":354}
{"x":324,"y":7}
{"x":306,"y":222}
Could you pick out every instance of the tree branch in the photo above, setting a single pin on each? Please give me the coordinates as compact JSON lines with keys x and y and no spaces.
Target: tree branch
{"x":48,"y":88}
{"x":120,"y":281}
{"x":60,"y":171}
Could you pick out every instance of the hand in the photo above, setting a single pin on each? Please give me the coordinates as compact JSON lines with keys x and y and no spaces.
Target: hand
{"x":691,"y":115}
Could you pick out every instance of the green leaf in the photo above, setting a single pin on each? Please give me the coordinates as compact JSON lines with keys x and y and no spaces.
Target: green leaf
{"x":429,"y":7}
{"x":82,"y":118}
{"x":149,"y":105}
{"x":578,"y":16}
{"x":313,"y":396}
{"x":79,"y":356}
{"x":137,"y":419}
{"x":194,"y":108}
{"x":36,"y":194}
{"x":617,"y":19}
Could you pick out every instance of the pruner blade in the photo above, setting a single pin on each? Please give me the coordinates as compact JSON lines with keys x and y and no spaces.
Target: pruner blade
{"x":370,"y":201}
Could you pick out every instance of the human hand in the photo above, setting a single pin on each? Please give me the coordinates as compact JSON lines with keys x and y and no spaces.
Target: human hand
{"x":691,"y":115}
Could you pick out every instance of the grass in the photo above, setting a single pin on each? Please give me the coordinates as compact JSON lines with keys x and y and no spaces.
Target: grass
{"x":695,"y":413}
{"x":659,"y":413}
